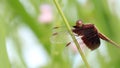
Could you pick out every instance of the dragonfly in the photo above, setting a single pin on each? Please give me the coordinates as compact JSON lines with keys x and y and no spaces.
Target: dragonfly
{"x":88,"y":33}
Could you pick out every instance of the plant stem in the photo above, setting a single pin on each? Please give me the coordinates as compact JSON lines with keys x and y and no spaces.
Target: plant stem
{"x":4,"y":60}
{"x":71,"y":33}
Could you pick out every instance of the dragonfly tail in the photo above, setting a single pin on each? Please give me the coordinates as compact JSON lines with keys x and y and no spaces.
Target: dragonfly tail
{"x":108,"y":40}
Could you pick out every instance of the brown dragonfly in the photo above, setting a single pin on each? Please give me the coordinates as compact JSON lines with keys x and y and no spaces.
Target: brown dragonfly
{"x":88,"y":33}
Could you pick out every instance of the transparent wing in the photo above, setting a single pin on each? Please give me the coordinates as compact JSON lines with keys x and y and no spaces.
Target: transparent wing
{"x":60,"y":35}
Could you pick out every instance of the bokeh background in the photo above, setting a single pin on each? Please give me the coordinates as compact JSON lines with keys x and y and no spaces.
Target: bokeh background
{"x":26,"y":27}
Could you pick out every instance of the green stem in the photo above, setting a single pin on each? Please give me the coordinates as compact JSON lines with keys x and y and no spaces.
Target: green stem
{"x":72,"y":35}
{"x":4,"y":60}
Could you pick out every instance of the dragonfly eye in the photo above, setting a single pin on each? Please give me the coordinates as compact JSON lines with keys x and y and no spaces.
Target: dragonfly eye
{"x":79,"y":23}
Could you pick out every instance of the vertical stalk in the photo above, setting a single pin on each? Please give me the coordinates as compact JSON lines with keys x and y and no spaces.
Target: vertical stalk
{"x":72,"y":35}
{"x":4,"y":60}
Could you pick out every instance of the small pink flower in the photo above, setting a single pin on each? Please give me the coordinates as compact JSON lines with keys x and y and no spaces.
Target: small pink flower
{"x":46,"y":14}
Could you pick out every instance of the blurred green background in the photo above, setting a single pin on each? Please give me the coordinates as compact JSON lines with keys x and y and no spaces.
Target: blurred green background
{"x":26,"y":27}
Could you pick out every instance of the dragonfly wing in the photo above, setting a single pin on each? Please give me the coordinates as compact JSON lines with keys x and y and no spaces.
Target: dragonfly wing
{"x":60,"y":36}
{"x":92,"y":43}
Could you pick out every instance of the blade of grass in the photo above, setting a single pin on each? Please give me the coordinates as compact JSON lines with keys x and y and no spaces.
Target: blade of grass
{"x":4,"y":60}
{"x":73,"y":37}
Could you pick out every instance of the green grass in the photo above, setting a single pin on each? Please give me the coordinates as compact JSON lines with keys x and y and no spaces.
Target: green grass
{"x":13,"y":14}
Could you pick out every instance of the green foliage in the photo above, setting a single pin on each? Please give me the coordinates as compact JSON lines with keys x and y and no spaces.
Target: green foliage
{"x":15,"y":13}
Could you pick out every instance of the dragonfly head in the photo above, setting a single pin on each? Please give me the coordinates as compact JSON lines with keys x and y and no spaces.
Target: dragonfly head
{"x":79,"y":23}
